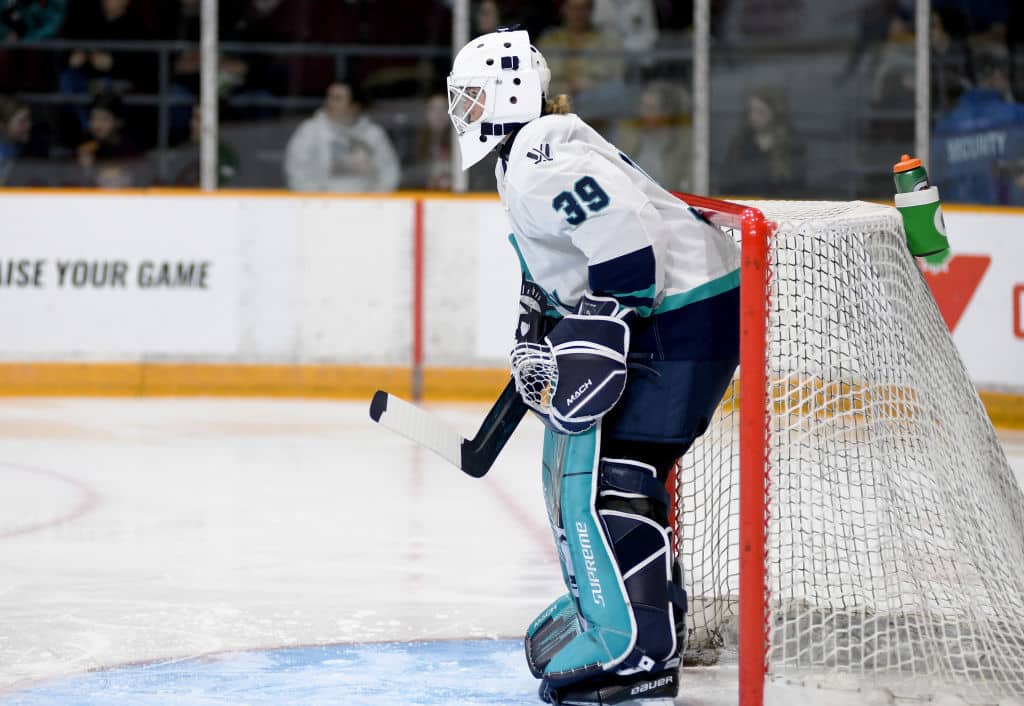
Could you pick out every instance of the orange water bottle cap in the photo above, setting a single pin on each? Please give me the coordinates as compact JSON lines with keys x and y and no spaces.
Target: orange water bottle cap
{"x":906,"y":163}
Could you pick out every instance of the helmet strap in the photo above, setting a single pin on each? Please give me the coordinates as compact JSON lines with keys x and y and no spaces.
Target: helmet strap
{"x":506,"y":146}
{"x":499,"y":129}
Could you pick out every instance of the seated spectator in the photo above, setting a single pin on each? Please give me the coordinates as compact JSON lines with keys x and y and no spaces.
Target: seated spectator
{"x":96,"y":71}
{"x":764,"y":158}
{"x":340,"y":149}
{"x":105,"y":150}
{"x":486,"y":18}
{"x":256,"y":73}
{"x":978,"y":146}
{"x":881,"y":21}
{"x":30,"y":19}
{"x":15,"y":132}
{"x":24,"y":147}
{"x":660,"y":138}
{"x":432,"y":166}
{"x":179,"y":21}
{"x":585,"y":62}
{"x":635,"y":21}
{"x":185,"y":163}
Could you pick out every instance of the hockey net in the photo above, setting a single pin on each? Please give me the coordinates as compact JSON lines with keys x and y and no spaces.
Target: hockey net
{"x":883,"y":532}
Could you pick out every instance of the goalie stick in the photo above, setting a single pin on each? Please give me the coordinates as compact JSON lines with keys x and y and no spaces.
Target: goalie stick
{"x":473,"y":456}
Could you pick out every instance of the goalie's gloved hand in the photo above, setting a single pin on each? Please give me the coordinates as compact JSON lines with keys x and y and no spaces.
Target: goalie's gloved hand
{"x":578,"y":373}
{"x":532,"y":324}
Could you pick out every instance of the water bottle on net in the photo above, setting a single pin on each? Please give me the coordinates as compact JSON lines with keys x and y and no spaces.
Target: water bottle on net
{"x":918,"y":202}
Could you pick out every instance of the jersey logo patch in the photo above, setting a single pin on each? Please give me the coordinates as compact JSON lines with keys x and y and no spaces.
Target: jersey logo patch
{"x":540,"y":154}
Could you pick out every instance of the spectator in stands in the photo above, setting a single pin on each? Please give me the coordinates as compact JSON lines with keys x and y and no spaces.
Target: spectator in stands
{"x":432,"y":153}
{"x":340,"y":149}
{"x":30,"y":19}
{"x":585,"y":62}
{"x":24,"y":146}
{"x":255,"y":73}
{"x":660,"y":138}
{"x":764,"y":158}
{"x":179,"y":21}
{"x":184,"y":162}
{"x":486,"y":18}
{"x":635,"y":21}
{"x":976,"y":144}
{"x":881,"y":21}
{"x":96,"y":71}
{"x":15,"y":132}
{"x":106,"y":152}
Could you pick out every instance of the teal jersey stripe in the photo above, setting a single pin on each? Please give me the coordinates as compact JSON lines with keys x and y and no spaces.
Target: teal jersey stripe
{"x":522,"y":263}
{"x":704,"y":291}
{"x":641,"y":300}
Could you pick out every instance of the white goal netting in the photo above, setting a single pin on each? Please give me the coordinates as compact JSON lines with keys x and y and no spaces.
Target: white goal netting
{"x":895,"y":551}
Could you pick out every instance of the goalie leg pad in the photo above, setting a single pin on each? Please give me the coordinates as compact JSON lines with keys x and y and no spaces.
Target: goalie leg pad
{"x":550,"y":631}
{"x":634,"y":506}
{"x":610,"y":519}
{"x":571,"y":465}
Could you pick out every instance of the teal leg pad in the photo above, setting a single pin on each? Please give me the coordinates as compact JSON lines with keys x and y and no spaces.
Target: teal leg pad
{"x":550,"y":631}
{"x":592,"y":575}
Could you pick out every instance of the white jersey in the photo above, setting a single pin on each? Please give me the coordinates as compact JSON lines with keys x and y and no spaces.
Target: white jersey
{"x":585,"y":218}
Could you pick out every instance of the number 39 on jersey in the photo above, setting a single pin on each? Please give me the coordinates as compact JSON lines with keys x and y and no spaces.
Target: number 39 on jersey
{"x":585,"y":190}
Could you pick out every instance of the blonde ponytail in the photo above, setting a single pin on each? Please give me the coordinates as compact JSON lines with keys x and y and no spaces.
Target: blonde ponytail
{"x":559,"y":105}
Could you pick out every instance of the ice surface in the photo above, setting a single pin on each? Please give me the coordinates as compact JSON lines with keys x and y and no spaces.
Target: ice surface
{"x":178,"y":534}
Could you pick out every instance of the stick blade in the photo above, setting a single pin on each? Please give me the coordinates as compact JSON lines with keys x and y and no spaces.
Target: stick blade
{"x":417,"y":425}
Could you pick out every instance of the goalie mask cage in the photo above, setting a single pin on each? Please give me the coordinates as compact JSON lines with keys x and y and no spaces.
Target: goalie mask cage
{"x":849,"y":520}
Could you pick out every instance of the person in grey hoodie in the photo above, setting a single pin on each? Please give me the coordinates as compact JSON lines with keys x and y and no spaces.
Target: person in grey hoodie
{"x":340,"y":149}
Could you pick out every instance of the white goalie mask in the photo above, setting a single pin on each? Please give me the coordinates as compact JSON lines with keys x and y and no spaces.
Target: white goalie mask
{"x":498,"y":82}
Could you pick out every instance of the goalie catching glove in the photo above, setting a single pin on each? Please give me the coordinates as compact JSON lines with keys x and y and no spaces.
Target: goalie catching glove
{"x":577,"y":373}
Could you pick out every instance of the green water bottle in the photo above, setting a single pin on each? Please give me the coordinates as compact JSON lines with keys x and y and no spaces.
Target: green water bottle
{"x":918,"y":203}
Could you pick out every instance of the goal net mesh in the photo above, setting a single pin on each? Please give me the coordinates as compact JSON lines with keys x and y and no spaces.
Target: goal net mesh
{"x":895,"y":533}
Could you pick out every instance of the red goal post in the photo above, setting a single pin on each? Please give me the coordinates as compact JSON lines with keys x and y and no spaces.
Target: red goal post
{"x":754,"y":272}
